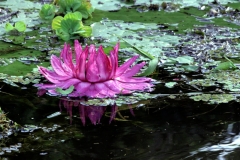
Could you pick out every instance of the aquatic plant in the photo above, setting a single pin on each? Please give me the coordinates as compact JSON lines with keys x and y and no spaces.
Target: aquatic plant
{"x":70,"y":26}
{"x":92,"y":73}
{"x":19,"y":27}
{"x":47,"y":12}
{"x":83,"y":6}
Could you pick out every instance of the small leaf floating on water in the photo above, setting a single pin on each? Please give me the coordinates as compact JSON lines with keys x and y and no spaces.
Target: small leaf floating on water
{"x":65,"y":92}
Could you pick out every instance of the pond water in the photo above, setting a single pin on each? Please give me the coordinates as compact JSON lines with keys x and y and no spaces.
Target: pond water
{"x":164,"y":129}
{"x":193,"y":112}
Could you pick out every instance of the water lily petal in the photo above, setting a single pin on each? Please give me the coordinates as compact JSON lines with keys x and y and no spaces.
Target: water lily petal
{"x":66,"y":55}
{"x":92,"y":92}
{"x":78,"y":51}
{"x":45,"y":86}
{"x":114,"y":60}
{"x":133,"y":79}
{"x":80,"y":71}
{"x":103,"y":65}
{"x":105,"y":90}
{"x":52,"y":76}
{"x":70,"y":82}
{"x":114,"y":86}
{"x":135,"y":86}
{"x":92,"y":73}
{"x":134,"y":70}
{"x":57,"y":66}
{"x":124,"y":67}
{"x":53,"y":92}
{"x":82,"y":87}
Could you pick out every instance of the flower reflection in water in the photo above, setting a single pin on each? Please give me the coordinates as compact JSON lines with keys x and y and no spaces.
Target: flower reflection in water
{"x":93,"y":112}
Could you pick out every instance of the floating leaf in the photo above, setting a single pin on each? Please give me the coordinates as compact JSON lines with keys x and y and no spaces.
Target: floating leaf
{"x":191,"y":68}
{"x":65,"y":92}
{"x":226,"y":66}
{"x":8,"y":27}
{"x":185,"y":59}
{"x":170,"y":84}
{"x":140,"y":50}
{"x":20,"y":26}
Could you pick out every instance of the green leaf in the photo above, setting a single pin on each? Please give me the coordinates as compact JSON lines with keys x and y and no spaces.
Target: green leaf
{"x":56,"y":23}
{"x":69,"y":5}
{"x":86,"y":9}
{"x":170,"y":84}
{"x":151,"y":67}
{"x":47,"y":11}
{"x":8,"y":27}
{"x":63,"y":35}
{"x":185,"y":59}
{"x":70,"y":25}
{"x":190,"y":68}
{"x":226,"y":66}
{"x":73,"y":16}
{"x":87,"y":31}
{"x":76,"y":5}
{"x":65,"y":92}
{"x":141,"y":51}
{"x":20,"y":26}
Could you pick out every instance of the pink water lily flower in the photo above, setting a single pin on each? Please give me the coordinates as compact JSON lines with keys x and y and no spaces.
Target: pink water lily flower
{"x":93,"y":73}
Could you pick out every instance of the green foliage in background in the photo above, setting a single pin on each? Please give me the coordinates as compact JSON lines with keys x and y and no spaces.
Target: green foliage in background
{"x":70,"y":26}
{"x":47,"y":12}
{"x":82,"y":6}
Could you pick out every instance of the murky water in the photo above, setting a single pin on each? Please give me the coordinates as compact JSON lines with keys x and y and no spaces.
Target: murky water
{"x":164,"y":129}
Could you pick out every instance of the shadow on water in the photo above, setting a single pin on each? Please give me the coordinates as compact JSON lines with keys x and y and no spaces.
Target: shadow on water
{"x":164,"y":129}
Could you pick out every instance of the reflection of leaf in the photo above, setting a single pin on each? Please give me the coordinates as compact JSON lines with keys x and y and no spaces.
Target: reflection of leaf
{"x":20,"y":26}
{"x":65,"y":92}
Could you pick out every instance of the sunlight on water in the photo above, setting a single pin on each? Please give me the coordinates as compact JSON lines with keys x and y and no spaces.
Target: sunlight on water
{"x":226,"y":146}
